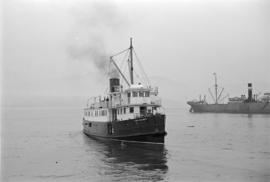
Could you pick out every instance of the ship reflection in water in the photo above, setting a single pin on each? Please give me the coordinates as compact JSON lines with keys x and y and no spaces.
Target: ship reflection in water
{"x":130,"y":161}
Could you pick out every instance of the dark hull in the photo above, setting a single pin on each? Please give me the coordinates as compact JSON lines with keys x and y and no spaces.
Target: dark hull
{"x":243,"y":108}
{"x":149,"y":138}
{"x":145,"y":129}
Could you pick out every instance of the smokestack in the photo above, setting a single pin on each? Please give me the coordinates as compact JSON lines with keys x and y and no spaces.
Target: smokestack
{"x":114,"y":85}
{"x":249,"y":92}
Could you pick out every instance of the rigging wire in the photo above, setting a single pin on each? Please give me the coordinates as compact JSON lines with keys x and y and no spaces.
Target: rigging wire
{"x":124,"y":58}
{"x":137,"y":76}
{"x":109,"y":67}
{"x":144,"y":77}
{"x":122,"y":66}
{"x":140,"y":65}
{"x":120,"y":52}
{"x":125,"y":69}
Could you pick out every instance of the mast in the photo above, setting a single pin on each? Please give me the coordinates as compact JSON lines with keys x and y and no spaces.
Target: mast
{"x":131,"y":62}
{"x":216,"y":87}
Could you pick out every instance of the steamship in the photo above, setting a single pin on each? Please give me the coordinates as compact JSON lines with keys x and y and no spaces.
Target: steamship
{"x":253,"y":104}
{"x":129,"y":111}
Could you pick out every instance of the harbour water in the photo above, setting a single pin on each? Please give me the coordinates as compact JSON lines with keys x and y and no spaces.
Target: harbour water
{"x":47,"y":144}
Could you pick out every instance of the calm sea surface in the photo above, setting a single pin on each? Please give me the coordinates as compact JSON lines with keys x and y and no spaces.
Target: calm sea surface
{"x":47,"y":144}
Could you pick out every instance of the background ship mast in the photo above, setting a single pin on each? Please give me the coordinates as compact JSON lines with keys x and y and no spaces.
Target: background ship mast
{"x":216,"y":87}
{"x":217,"y":97}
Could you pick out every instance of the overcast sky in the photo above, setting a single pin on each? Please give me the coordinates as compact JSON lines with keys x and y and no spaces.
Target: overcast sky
{"x":48,"y":47}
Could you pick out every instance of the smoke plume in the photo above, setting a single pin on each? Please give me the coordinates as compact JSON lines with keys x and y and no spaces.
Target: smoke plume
{"x":93,"y":21}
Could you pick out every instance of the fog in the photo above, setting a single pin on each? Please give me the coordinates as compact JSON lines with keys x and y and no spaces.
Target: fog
{"x":54,"y":51}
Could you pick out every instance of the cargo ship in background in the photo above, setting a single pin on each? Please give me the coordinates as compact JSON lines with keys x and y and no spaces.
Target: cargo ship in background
{"x":129,"y":111}
{"x":252,"y":104}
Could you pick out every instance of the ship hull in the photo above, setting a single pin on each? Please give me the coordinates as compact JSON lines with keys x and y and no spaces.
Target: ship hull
{"x":245,"y":108}
{"x":145,"y":129}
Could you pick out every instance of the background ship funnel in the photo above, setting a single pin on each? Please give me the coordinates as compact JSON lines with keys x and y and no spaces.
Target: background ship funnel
{"x":249,"y":92}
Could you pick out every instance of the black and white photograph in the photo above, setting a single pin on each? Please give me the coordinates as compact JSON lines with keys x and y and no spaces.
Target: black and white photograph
{"x":135,"y":90}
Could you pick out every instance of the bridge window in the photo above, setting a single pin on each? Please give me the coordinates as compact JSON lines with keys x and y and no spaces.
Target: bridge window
{"x":103,"y":112}
{"x":131,"y":109}
{"x":147,"y":94}
{"x":128,"y":94}
{"x":124,"y":110}
{"x":141,"y":94}
{"x":134,"y":94}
